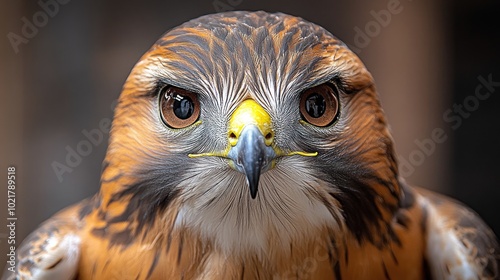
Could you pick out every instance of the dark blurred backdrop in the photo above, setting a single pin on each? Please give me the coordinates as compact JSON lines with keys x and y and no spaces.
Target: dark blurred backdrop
{"x":60,"y":77}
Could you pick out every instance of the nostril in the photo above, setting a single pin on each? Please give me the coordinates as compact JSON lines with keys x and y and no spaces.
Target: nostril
{"x":232,"y":136}
{"x":233,"y":139}
{"x":269,"y":136}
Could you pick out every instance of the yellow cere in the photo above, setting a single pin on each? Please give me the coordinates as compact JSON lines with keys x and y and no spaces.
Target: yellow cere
{"x":249,"y":112}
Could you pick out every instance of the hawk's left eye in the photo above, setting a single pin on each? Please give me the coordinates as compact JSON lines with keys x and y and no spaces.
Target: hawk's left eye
{"x":179,"y":108}
{"x":319,"y":105}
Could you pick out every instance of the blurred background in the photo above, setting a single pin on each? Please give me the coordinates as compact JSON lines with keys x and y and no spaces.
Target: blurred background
{"x":63,"y":64}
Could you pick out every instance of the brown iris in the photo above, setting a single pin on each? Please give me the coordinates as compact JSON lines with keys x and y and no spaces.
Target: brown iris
{"x":319,"y":105}
{"x":179,"y":108}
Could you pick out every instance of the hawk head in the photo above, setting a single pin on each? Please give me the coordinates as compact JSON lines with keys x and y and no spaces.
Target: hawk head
{"x":248,"y":125}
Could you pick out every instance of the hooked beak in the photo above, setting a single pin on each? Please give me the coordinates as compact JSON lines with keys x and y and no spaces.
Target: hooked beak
{"x":252,"y":156}
{"x":251,"y":137}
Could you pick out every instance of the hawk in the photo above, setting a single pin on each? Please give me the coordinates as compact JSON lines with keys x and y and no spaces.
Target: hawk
{"x":250,"y":145}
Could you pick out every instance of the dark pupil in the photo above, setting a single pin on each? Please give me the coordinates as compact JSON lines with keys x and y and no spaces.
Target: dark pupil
{"x":183,"y":107}
{"x":315,"y":105}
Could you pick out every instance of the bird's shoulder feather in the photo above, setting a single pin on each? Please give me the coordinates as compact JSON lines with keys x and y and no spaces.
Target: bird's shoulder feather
{"x":458,"y":242}
{"x":52,"y":251}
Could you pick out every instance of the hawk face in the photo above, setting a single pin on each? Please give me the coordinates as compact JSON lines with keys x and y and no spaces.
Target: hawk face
{"x":256,"y":129}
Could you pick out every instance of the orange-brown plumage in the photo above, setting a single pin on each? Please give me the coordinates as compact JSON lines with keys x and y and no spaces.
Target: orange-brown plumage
{"x":325,"y":202}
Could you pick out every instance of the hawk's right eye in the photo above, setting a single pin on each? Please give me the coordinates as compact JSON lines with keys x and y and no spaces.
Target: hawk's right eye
{"x":179,"y":108}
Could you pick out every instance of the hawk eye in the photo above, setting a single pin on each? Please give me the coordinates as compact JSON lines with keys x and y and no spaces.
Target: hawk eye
{"x":319,"y":105}
{"x":179,"y":108}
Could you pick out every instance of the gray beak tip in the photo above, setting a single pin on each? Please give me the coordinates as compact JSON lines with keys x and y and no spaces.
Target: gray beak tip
{"x":254,"y":187}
